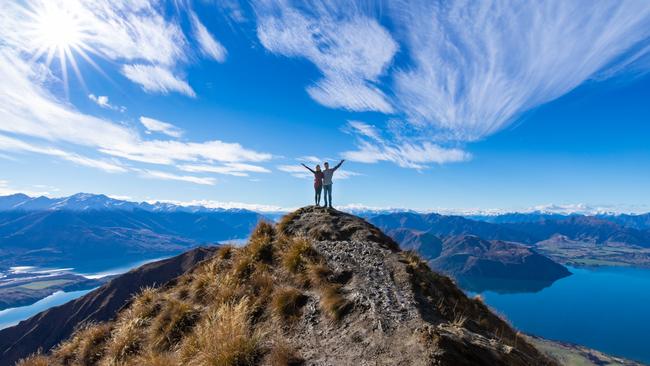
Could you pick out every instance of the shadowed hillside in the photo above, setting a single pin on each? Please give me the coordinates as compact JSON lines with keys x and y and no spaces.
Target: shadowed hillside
{"x":323,"y":288}
{"x":51,"y":326}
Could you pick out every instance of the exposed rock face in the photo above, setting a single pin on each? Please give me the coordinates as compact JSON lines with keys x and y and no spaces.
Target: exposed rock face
{"x":321,"y":288}
{"x":46,"y":329}
{"x":468,"y":255}
{"x":403,"y":313}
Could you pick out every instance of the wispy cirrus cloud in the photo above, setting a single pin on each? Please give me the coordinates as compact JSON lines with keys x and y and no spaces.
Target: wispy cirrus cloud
{"x":157,"y":79}
{"x":156,"y":174}
{"x":30,"y":112}
{"x":477,"y":66}
{"x":234,"y":169}
{"x":207,"y":43}
{"x":469,"y":68}
{"x":300,"y":172}
{"x":15,"y":145}
{"x":407,"y":153}
{"x":351,"y":50}
{"x":154,"y":125}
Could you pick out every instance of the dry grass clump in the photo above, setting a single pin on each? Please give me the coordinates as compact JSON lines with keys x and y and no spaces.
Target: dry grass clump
{"x":225,"y":252}
{"x":174,"y":320}
{"x":286,"y":220}
{"x":126,"y":340}
{"x":86,"y":346}
{"x":298,"y":255}
{"x":34,"y":360}
{"x":145,"y":303}
{"x":223,"y":337}
{"x":333,"y":302}
{"x":284,"y":355}
{"x":287,"y":302}
{"x":153,"y":358}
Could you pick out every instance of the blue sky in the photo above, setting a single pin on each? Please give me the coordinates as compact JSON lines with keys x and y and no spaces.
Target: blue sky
{"x":448,"y":106}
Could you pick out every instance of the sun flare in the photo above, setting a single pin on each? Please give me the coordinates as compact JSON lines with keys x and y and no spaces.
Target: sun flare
{"x":59,"y":29}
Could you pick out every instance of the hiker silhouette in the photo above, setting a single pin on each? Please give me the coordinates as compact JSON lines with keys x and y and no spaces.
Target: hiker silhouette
{"x":323,"y":181}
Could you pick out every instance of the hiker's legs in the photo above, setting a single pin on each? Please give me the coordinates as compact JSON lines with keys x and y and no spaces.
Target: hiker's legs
{"x":328,"y":195}
{"x":317,"y":190}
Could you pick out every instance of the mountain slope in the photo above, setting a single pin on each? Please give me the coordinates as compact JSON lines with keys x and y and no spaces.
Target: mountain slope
{"x":471,"y":256}
{"x":69,"y":238}
{"x":49,"y":327}
{"x":443,"y":226}
{"x":323,"y":287}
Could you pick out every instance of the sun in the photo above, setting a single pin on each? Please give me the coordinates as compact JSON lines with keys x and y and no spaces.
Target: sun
{"x":59,"y":29}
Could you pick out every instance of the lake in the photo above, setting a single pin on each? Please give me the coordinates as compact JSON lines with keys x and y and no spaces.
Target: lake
{"x":604,"y":308}
{"x":12,"y":316}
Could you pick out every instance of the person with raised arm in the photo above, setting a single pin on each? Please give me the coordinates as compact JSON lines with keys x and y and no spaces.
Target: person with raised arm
{"x":318,"y":182}
{"x":327,"y":182}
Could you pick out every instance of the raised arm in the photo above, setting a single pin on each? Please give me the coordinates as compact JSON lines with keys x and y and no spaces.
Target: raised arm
{"x":308,"y":168}
{"x":339,"y":164}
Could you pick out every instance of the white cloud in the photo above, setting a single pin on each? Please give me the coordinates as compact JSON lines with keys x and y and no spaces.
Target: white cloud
{"x":349,"y":93}
{"x":469,"y":69}
{"x":154,"y":125}
{"x":373,"y":148}
{"x":14,"y":145}
{"x":209,"y":45}
{"x":227,"y":205}
{"x":155,"y":174}
{"x":119,"y":30}
{"x":235,"y":169}
{"x":157,"y":79}
{"x":102,"y":101}
{"x":350,"y":49}
{"x":300,"y":172}
{"x":477,"y":66}
{"x":6,"y":189}
{"x":29,"y":111}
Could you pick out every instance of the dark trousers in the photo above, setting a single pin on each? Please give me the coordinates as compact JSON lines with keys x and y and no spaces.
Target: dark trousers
{"x":317,"y":191}
{"x":328,"y":194}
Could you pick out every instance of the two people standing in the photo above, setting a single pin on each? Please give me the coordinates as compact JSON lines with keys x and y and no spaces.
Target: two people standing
{"x":323,"y":181}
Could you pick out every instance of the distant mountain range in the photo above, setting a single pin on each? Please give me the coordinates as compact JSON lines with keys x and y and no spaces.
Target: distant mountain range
{"x":599,"y":230}
{"x":572,"y":239}
{"x":89,"y":202}
{"x":93,"y":232}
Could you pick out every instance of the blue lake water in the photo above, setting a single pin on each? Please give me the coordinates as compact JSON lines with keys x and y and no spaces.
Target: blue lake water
{"x":12,"y":316}
{"x":603,"y":308}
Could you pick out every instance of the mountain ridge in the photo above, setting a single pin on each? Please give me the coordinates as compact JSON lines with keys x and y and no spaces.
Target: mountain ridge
{"x":320,"y":287}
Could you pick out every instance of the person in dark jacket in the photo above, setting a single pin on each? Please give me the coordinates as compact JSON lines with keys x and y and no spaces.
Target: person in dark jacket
{"x":318,"y":182}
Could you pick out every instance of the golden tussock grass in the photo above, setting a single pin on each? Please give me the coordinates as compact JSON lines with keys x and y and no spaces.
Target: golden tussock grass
{"x":298,"y":254}
{"x":126,"y":340}
{"x":173,"y":321}
{"x":35,"y":360}
{"x":224,"y":337}
{"x":219,"y":313}
{"x":153,"y":358}
{"x":284,"y":355}
{"x":333,"y":303}
{"x":287,"y":302}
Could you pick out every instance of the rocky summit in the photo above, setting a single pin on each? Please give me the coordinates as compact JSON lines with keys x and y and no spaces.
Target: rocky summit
{"x":319,"y":288}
